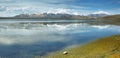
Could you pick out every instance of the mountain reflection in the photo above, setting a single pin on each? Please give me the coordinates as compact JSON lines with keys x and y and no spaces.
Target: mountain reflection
{"x":28,"y":40}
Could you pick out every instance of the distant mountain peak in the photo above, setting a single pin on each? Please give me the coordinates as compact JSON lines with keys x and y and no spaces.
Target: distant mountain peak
{"x":101,"y":12}
{"x":98,"y":15}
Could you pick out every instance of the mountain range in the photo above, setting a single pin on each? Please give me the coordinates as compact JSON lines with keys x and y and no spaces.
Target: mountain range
{"x":97,"y":15}
{"x":61,"y":16}
{"x":52,"y":16}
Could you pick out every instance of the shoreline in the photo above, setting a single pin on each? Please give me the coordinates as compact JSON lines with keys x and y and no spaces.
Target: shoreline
{"x":108,"y":47}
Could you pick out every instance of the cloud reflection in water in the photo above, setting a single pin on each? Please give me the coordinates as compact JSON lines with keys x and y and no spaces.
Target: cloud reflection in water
{"x":40,"y":39}
{"x":30,"y":34}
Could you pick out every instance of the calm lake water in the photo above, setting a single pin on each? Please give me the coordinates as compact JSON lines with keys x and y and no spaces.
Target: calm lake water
{"x":29,"y":38}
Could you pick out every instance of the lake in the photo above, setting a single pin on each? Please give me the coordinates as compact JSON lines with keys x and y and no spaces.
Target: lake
{"x":29,"y":38}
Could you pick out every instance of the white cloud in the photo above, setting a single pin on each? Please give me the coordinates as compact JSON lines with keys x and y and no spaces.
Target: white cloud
{"x":15,"y":10}
{"x":63,"y":11}
{"x":12,"y":11}
{"x":3,"y":8}
{"x":76,"y":13}
{"x":101,"y":12}
{"x":59,"y":10}
{"x":38,"y":6}
{"x":6,"y":1}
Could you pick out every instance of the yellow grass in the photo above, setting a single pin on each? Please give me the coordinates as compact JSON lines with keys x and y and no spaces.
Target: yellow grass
{"x":103,"y":48}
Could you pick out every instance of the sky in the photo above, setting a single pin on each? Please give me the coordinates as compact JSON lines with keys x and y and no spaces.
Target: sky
{"x":77,"y":7}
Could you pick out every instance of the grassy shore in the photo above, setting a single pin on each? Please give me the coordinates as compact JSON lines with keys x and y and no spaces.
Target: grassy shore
{"x":108,"y":47}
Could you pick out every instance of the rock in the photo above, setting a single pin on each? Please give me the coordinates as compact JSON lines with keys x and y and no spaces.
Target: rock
{"x":65,"y":52}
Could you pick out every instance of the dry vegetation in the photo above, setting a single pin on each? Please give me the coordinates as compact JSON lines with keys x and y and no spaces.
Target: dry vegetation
{"x":103,"y":48}
{"x":113,"y":19}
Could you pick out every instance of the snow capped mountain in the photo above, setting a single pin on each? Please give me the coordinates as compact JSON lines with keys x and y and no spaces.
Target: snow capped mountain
{"x":53,"y":16}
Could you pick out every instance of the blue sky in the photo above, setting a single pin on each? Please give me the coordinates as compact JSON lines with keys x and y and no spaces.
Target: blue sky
{"x":82,"y":7}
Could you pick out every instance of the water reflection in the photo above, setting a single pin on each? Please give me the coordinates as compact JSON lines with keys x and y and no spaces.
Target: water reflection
{"x":27,"y":40}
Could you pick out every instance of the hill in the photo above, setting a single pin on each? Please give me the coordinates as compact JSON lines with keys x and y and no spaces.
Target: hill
{"x":108,"y":47}
{"x":97,"y":15}
{"x":112,"y":19}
